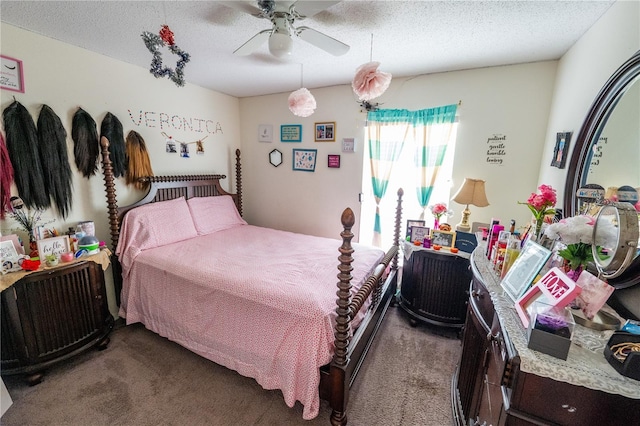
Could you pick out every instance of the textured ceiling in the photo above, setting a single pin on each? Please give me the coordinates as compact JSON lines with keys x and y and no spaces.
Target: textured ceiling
{"x":409,"y":38}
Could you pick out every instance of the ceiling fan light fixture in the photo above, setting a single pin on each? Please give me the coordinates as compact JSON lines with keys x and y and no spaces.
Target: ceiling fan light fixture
{"x":280,"y":44}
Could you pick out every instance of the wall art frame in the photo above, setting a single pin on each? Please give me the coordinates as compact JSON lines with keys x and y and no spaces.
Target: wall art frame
{"x":305,"y":159}
{"x":348,"y":145}
{"x":333,"y":161}
{"x":12,"y":76}
{"x":561,"y":149}
{"x":291,"y":133}
{"x":265,"y":133}
{"x":325,"y":132}
{"x":275,"y":158}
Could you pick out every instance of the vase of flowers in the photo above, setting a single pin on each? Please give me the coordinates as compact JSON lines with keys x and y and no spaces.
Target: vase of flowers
{"x":541,"y":204}
{"x":438,"y":210}
{"x":576,"y":235}
{"x":27,"y":219}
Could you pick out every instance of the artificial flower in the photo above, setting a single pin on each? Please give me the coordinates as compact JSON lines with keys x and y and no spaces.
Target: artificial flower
{"x":28,"y":219}
{"x":369,"y":83}
{"x":440,"y":209}
{"x":576,"y":233}
{"x":542,"y":205}
{"x":302,"y":103}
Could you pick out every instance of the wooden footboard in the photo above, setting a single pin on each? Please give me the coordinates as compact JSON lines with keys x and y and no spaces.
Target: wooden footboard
{"x":337,"y":378}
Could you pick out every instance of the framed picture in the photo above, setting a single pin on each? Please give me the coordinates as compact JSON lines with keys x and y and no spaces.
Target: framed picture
{"x":561,"y":149}
{"x":419,"y":232}
{"x":16,"y":242}
{"x":275,"y":158}
{"x":304,"y":159}
{"x":466,"y":241}
{"x":12,"y":75}
{"x":411,"y":223}
{"x":291,"y":133}
{"x":265,"y":133}
{"x":325,"y":132}
{"x":525,"y":268}
{"x":55,"y":245}
{"x":443,"y":238}
{"x":348,"y":145}
{"x":8,"y":250}
{"x":334,"y":161}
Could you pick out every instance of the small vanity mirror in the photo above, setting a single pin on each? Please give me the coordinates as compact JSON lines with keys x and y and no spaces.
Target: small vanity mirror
{"x":616,"y":233}
{"x":275,"y":158}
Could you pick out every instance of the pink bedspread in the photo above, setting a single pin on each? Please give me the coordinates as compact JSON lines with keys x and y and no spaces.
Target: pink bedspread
{"x":256,"y":300}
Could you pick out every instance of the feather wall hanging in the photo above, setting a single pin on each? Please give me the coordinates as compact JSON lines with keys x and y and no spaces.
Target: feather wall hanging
{"x":111,"y":128}
{"x":22,"y":145}
{"x":138,"y":163}
{"x":6,"y":178}
{"x":86,"y":149}
{"x":52,"y":139}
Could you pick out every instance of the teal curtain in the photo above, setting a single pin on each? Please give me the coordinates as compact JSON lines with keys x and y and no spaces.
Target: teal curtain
{"x":385,"y":146}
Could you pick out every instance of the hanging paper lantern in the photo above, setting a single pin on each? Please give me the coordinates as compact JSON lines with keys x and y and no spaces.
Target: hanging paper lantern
{"x":369,"y":83}
{"x":302,"y":103}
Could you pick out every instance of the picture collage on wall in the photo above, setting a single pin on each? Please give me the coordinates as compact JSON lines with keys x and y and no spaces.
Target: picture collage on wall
{"x":303,"y":159}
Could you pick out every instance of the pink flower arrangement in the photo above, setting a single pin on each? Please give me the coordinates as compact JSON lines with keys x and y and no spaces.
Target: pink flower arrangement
{"x":541,"y":205}
{"x":439,"y":209}
{"x":369,"y":83}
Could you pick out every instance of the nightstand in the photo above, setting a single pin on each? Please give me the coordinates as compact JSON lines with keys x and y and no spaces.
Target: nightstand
{"x":51,"y":315}
{"x":435,"y":286}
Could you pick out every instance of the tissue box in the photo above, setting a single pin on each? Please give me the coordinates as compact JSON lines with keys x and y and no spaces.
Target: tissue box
{"x":550,"y":330}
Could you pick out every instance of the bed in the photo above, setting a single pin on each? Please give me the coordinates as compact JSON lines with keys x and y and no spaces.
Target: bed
{"x":268,"y":309}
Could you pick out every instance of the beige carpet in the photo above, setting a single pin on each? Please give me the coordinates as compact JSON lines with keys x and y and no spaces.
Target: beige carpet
{"x":144,"y":379}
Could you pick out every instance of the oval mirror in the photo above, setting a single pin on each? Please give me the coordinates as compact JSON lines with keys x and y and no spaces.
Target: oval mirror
{"x":615,"y":234}
{"x":604,"y":162}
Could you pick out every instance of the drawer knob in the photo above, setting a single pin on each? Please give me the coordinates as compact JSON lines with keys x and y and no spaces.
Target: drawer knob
{"x":477,"y":294}
{"x":569,"y":408}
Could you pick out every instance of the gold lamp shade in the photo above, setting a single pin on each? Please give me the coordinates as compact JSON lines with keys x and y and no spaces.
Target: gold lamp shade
{"x":471,"y":192}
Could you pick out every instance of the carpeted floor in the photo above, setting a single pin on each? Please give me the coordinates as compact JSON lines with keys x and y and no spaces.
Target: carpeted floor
{"x":144,"y":379}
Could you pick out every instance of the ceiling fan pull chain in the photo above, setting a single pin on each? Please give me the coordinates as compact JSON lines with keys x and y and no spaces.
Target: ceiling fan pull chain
{"x":371,"y":51}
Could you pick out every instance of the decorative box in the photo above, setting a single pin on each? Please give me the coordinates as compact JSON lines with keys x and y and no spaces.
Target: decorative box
{"x":623,"y":353}
{"x":550,"y":330}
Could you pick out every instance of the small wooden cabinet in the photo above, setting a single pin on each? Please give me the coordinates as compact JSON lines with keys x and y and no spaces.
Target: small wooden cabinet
{"x":435,"y":287}
{"x":490,"y":388}
{"x":51,"y":315}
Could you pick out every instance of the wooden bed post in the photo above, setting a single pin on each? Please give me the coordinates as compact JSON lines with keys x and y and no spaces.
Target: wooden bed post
{"x":112,"y":202}
{"x":396,"y":234}
{"x":239,"y":181}
{"x":343,"y":323}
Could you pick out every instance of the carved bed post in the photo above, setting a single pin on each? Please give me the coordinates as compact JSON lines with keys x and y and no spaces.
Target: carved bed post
{"x":112,"y":208}
{"x":343,"y":323}
{"x":112,"y":202}
{"x":239,"y":181}
{"x":396,"y":235}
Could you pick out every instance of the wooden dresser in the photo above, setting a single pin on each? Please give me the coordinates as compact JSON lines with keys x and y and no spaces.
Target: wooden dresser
{"x":51,"y":315}
{"x":499,"y":381}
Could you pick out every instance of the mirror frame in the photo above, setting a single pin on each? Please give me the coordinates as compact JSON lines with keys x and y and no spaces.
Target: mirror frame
{"x":597,"y":116}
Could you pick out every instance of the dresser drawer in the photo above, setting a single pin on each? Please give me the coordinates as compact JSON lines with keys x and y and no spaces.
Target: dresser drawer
{"x":565,"y":404}
{"x":481,"y":302}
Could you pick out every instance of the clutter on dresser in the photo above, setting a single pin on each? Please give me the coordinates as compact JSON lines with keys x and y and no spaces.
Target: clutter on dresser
{"x":550,"y":329}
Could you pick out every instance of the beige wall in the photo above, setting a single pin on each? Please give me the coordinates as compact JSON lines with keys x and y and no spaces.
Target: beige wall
{"x":66,"y":77}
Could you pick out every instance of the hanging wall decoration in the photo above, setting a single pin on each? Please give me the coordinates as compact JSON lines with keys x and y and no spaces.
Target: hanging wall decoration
{"x":165,"y":38}
{"x":86,"y":148}
{"x":111,"y":128}
{"x":369,"y":83}
{"x":138,"y":163}
{"x":6,"y":178}
{"x":22,"y":146}
{"x":52,"y":141}
{"x":301,"y":102}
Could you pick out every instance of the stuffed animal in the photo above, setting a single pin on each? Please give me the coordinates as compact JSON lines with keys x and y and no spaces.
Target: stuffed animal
{"x":444,"y":227}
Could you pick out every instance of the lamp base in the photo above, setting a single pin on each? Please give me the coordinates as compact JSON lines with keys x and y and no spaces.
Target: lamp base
{"x":464,"y":226}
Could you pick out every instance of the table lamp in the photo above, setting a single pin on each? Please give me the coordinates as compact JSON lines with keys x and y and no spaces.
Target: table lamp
{"x":471,"y":192}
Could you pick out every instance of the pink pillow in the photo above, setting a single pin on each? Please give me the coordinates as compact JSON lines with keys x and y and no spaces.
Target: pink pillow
{"x":160,"y":223}
{"x":212,"y":214}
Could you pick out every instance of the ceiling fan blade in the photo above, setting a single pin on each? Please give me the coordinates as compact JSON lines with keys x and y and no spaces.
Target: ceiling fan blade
{"x":253,"y":43}
{"x":323,"y":41}
{"x":250,"y":7}
{"x":309,"y":8}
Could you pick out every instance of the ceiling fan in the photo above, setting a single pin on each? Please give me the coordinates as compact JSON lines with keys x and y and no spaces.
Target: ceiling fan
{"x":283,"y":15}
